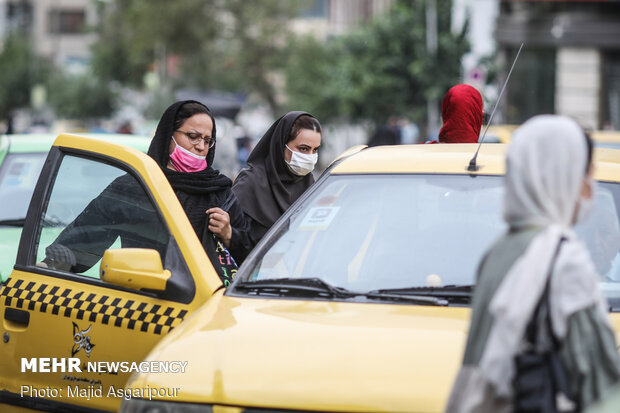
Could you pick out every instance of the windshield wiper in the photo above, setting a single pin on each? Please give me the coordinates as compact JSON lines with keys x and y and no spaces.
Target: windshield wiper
{"x":12,"y":222}
{"x":453,"y":293}
{"x":305,"y":287}
{"x":316,"y":287}
{"x":415,"y":299}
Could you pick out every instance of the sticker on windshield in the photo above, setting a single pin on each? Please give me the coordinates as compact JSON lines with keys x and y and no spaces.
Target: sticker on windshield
{"x":318,"y":218}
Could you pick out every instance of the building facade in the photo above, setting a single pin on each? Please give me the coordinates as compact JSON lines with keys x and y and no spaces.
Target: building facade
{"x":570,"y":63}
{"x":58,"y":29}
{"x":325,"y":18}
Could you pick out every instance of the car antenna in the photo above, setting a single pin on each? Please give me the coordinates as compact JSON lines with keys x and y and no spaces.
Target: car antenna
{"x":472,"y":163}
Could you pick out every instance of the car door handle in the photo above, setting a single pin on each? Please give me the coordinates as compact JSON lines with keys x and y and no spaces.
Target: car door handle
{"x":17,"y":316}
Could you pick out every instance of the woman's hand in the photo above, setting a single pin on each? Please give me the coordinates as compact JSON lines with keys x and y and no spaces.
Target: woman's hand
{"x":219,"y":224}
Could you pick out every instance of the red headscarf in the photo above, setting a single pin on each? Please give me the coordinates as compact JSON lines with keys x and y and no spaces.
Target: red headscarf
{"x":461,"y":111}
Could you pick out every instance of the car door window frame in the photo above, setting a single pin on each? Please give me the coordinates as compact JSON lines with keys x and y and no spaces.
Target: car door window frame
{"x":182,"y":286}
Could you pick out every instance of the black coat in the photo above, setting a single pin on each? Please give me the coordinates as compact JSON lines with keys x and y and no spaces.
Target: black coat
{"x":114,"y":213}
{"x":267,"y":188}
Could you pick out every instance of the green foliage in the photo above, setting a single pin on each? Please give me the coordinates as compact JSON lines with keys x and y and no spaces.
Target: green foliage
{"x":258,"y":32}
{"x":159,"y":100}
{"x":313,"y":83}
{"x":382,"y":69}
{"x":81,"y":97}
{"x":21,"y":70}
{"x":134,"y":35}
{"x":232,"y":45}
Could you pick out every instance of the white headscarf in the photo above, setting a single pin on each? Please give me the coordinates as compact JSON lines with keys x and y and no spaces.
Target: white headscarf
{"x":545,"y":170}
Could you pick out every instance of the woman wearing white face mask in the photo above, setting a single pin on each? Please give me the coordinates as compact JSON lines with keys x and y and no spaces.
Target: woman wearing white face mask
{"x":279,"y":171}
{"x":549,"y":188}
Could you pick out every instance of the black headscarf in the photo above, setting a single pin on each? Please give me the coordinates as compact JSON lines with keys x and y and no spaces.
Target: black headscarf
{"x":267,"y":187}
{"x":205,"y":181}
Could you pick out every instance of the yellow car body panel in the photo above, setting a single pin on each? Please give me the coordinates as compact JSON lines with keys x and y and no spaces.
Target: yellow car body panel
{"x":503,"y":134}
{"x":106,"y":344}
{"x":352,"y":150}
{"x":500,"y":133}
{"x":5,"y":408}
{"x":315,"y":355}
{"x":425,"y":158}
{"x":604,"y":136}
{"x":454,"y":159}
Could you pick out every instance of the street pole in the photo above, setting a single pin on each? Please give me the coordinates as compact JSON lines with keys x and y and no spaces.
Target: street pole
{"x":431,"y":47}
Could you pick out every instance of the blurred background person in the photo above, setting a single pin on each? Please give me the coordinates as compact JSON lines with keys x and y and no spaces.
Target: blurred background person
{"x":244,"y":147}
{"x":461,"y":112}
{"x":279,"y":171}
{"x":386,"y":134}
{"x":409,"y":132}
{"x":125,"y":128}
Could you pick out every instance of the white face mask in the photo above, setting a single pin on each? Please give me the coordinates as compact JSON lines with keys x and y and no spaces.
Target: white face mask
{"x":301,"y":164}
{"x":586,"y":204}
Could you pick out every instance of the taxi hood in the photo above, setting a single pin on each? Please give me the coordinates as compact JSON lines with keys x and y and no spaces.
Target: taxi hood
{"x":315,"y":355}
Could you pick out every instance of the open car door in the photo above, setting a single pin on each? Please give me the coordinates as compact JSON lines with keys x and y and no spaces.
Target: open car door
{"x":108,"y":263}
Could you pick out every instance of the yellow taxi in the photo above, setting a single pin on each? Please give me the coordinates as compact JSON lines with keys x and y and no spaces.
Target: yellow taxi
{"x":606,"y":139}
{"x":357,"y":300}
{"x":602,"y":138}
{"x":65,"y":332}
{"x":499,"y":133}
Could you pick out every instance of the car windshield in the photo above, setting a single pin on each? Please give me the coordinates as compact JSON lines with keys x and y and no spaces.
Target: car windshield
{"x":18,"y":176}
{"x":384,"y":232}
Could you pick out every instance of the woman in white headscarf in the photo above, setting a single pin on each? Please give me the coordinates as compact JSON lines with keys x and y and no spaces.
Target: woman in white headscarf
{"x":549,"y":187}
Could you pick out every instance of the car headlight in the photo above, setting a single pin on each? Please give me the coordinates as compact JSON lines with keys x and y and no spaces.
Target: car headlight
{"x":156,"y":406}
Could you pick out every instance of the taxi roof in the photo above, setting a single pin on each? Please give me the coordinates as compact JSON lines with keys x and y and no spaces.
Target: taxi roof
{"x":437,"y":158}
{"x":453,"y":159}
{"x":32,"y":143}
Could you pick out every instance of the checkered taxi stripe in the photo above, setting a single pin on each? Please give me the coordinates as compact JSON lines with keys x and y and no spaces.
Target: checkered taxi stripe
{"x":98,"y":308}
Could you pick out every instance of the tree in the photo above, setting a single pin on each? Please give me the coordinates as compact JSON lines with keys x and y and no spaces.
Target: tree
{"x":231,"y":45}
{"x":381,"y":69}
{"x":82,"y":97}
{"x":258,"y":39}
{"x":136,"y":35}
{"x":314,"y":82}
{"x":21,"y":70}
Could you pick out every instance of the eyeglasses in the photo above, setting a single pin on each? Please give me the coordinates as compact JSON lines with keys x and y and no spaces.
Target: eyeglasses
{"x":195,"y":138}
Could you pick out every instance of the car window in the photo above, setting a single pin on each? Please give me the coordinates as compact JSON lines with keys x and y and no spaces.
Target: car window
{"x":396,"y":231}
{"x":607,"y":145}
{"x":94,"y":206}
{"x":387,"y":231}
{"x":18,"y":175}
{"x":601,"y":233}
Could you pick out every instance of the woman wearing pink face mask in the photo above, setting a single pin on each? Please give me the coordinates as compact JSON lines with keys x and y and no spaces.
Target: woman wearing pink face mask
{"x":184,"y":147}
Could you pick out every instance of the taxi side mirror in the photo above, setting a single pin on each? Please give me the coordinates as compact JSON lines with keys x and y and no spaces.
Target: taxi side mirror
{"x":136,"y":268}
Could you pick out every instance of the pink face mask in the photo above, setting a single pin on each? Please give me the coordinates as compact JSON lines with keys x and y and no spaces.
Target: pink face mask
{"x":186,"y":161}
